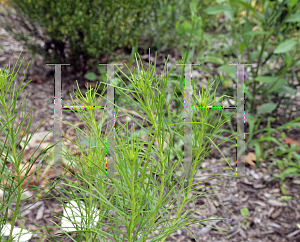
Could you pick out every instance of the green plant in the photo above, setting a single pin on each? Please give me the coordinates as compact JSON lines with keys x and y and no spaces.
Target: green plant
{"x":287,"y":157}
{"x":289,"y":165}
{"x":12,"y":183}
{"x":285,"y":198}
{"x":141,"y":197}
{"x":244,"y":213}
{"x":172,"y":22}
{"x":272,"y":45}
{"x":77,"y":32}
{"x":268,"y":33}
{"x":176,"y":26}
{"x":91,"y":76}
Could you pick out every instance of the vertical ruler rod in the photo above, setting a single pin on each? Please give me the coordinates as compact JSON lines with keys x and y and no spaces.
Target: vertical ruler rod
{"x":240,"y":116}
{"x":187,"y":122}
{"x":110,"y":110}
{"x":240,"y":166}
{"x":57,"y":113}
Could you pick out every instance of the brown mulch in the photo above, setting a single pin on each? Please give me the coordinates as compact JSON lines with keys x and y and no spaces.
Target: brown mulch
{"x":269,"y":218}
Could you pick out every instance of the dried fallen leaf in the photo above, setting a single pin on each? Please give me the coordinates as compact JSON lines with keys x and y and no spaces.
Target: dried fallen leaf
{"x":21,"y":133}
{"x":291,"y":141}
{"x":251,"y":158}
{"x":165,"y":143}
{"x":92,"y":84}
{"x":32,"y":181}
{"x":36,"y":79}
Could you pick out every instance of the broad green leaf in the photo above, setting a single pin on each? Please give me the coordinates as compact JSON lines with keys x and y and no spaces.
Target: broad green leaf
{"x":291,"y":124}
{"x":278,"y":85}
{"x":281,"y":176}
{"x":283,"y":190}
{"x":286,"y":46}
{"x":214,"y":60}
{"x":254,"y":55}
{"x":183,"y":28}
{"x":256,"y":32}
{"x":297,"y":63}
{"x":230,"y":70}
{"x":242,"y":47}
{"x":244,"y":212}
{"x":101,"y":69}
{"x":249,"y":95}
{"x":217,"y":9}
{"x":287,"y":59}
{"x":232,"y":2}
{"x":103,"y":78}
{"x":91,"y":76}
{"x":285,"y":198}
{"x":251,"y":118}
{"x":280,"y":165}
{"x":265,"y":79}
{"x":287,"y":89}
{"x":294,"y":18}
{"x":291,"y":170}
{"x":260,"y":15}
{"x":247,"y":26}
{"x":266,"y":108}
{"x":270,"y":139}
{"x":257,"y":152}
{"x":228,"y":14}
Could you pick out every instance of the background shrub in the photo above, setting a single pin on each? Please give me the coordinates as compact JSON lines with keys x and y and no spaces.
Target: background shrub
{"x":76,"y":31}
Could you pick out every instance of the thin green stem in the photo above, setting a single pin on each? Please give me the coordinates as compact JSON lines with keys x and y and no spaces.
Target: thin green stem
{"x":256,"y":73}
{"x":189,"y":184}
{"x":17,"y":165}
{"x":162,"y":169}
{"x":90,"y":202}
{"x":133,"y":205}
{"x":161,"y":153}
{"x":186,"y":55}
{"x":273,"y":84}
{"x":185,"y":198}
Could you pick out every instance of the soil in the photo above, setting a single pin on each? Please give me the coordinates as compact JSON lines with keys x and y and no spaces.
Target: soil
{"x":269,"y":218}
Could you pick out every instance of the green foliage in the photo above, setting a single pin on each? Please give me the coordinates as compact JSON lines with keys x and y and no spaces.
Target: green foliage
{"x":289,"y":164}
{"x":76,"y":32}
{"x":91,"y":76}
{"x":133,"y":181}
{"x":265,"y":32}
{"x":244,"y":212}
{"x":287,"y":158}
{"x":12,"y":183}
{"x":285,"y":198}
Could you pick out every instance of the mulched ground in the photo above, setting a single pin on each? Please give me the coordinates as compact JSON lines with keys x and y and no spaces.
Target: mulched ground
{"x":269,"y":218}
